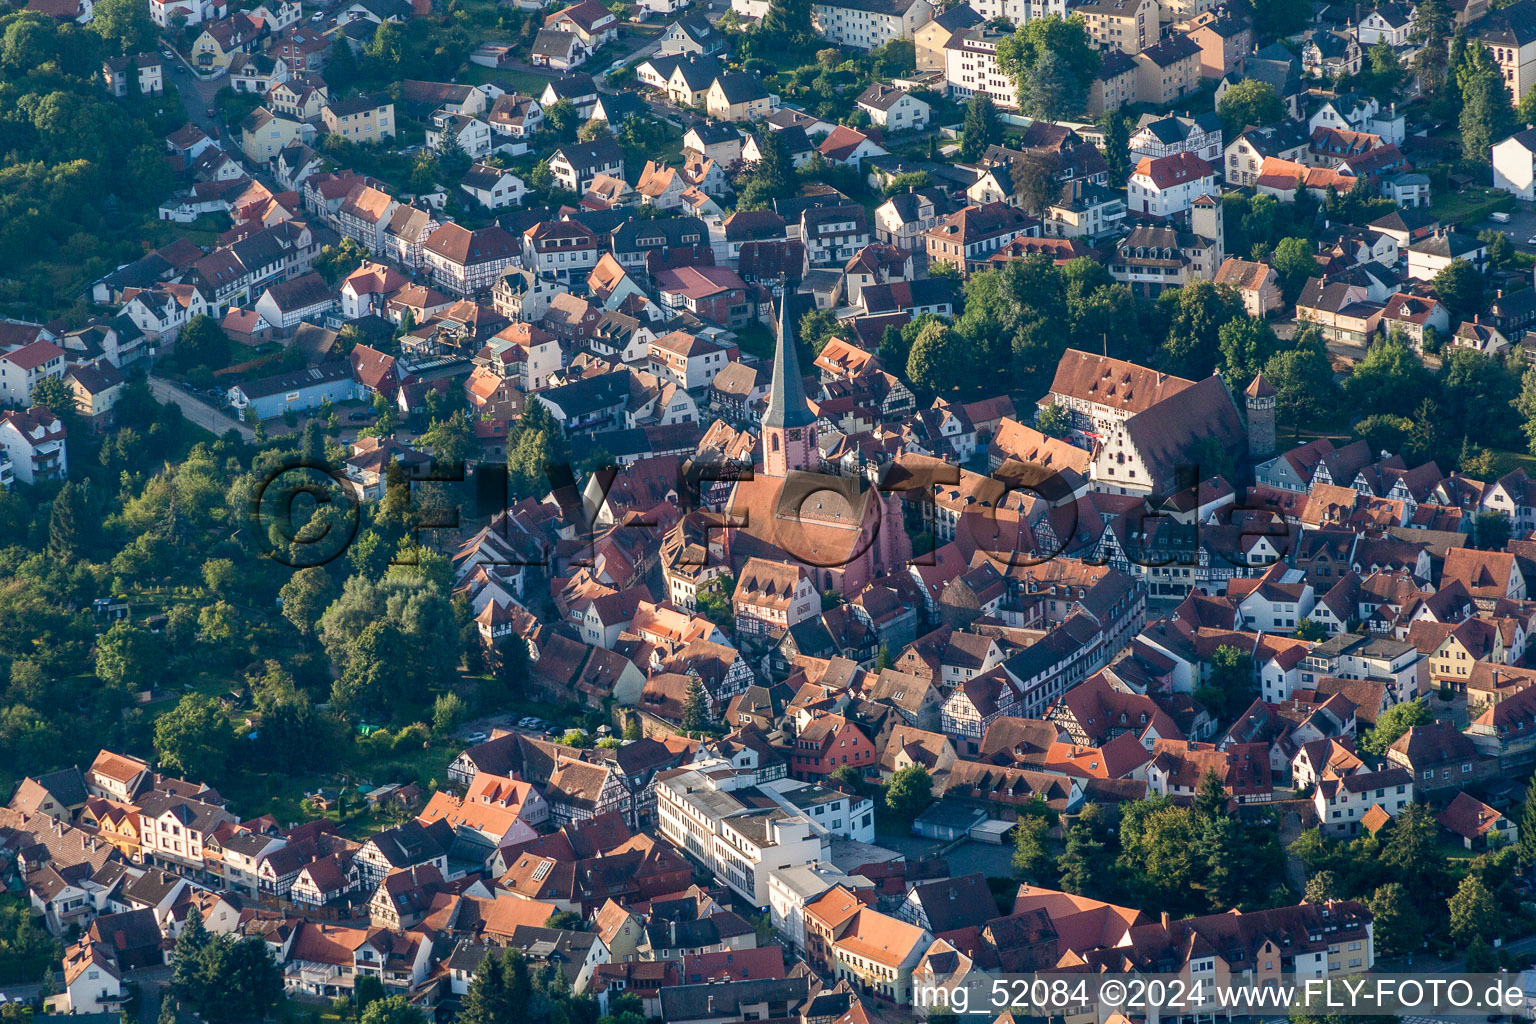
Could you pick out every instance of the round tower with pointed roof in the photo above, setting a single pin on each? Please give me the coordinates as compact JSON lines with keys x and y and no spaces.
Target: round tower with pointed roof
{"x":1259,"y":397}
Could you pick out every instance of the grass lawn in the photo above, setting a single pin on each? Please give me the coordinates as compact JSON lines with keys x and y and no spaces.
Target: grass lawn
{"x":670,"y":151}
{"x":1507,"y":461}
{"x":1470,"y":206}
{"x":525,"y":82}
{"x":756,"y":339}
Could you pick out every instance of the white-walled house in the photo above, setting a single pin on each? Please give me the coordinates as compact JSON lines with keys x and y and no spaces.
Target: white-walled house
{"x":894,"y":109}
{"x":493,"y":187}
{"x":1514,"y":164}
{"x":866,"y":24}
{"x":1169,"y":185}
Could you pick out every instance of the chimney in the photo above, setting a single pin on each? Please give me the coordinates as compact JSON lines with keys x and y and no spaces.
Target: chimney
{"x":1165,"y":920}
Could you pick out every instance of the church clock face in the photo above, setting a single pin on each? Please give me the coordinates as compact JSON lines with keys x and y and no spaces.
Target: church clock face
{"x":794,"y":434}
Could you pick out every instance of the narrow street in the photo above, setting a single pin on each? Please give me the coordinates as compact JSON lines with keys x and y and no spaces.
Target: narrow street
{"x":196,"y":93}
{"x":199,"y":411}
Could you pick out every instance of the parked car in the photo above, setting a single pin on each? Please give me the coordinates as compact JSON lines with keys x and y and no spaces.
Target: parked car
{"x":476,"y":737}
{"x":359,"y":416}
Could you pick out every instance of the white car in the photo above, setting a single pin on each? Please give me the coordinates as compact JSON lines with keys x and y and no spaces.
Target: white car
{"x":1531,"y":240}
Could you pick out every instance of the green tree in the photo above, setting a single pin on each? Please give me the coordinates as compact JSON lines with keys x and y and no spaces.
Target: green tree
{"x":1396,"y":923}
{"x":1032,"y":860}
{"x":305,"y":597}
{"x":501,"y":991}
{"x":1086,"y":865}
{"x":511,"y":668}
{"x":1249,"y":103}
{"x":1480,"y":958}
{"x":202,"y":342}
{"x":714,"y":602}
{"x":448,"y":712}
{"x":340,"y":66}
{"x":907,"y":181}
{"x":1386,"y":70}
{"x":1160,"y":856}
{"x":817,"y":327}
{"x":1410,"y":853}
{"x":788,"y":20}
{"x":1490,"y":530}
{"x":774,"y":173}
{"x":68,"y":523}
{"x":124,"y":26}
{"x":1195,"y":315}
{"x":1210,"y":797}
{"x":391,"y":1010}
{"x":1486,"y":114}
{"x":1460,"y":287}
{"x":935,"y":359}
{"x":910,"y":791}
{"x":451,"y":440}
{"x":1050,"y":90}
{"x":425,"y":172}
{"x":387,"y":49}
{"x":981,"y":127}
{"x":1117,"y":143}
{"x":1321,"y":887}
{"x":55,"y":394}
{"x":1501,"y":251}
{"x":695,"y":706}
{"x":1474,"y":913}
{"x":1034,"y":182}
{"x":1527,"y":845}
{"x":593,"y":130}
{"x":1311,"y":630}
{"x":1053,"y":421}
{"x":193,"y":739}
{"x":562,"y":119}
{"x":1230,"y":686}
{"x":339,"y":259}
{"x":849,"y":776}
{"x":1052,"y":56}
{"x":1247,"y":344}
{"x":188,"y":968}
{"x":1392,"y":723}
{"x":1303,"y":380}
{"x":129,"y":657}
{"x":1294,"y":260}
{"x":1384,"y":432}
{"x":242,"y":981}
{"x":27,"y":951}
{"x":1390,"y":377}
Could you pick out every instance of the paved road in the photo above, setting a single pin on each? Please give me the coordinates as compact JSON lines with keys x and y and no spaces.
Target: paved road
{"x":198,"y":411}
{"x":196,"y":94}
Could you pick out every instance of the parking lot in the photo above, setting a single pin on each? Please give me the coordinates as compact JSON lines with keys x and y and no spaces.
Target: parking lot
{"x":1521,"y":228}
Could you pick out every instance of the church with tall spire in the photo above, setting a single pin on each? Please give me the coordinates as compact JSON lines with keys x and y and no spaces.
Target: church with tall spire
{"x":841,"y":532}
{"x":789,"y":426}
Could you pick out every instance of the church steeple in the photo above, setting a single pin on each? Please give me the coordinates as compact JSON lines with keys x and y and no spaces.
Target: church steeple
{"x":789,"y":426}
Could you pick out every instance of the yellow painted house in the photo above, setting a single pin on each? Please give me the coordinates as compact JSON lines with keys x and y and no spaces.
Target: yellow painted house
{"x":115,"y":823}
{"x":219,"y":41}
